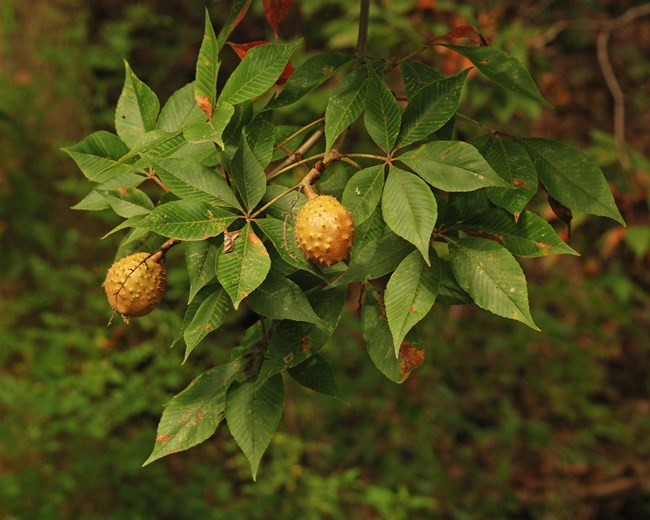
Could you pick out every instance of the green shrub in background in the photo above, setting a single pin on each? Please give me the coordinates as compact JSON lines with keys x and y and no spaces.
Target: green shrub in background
{"x":81,"y":401}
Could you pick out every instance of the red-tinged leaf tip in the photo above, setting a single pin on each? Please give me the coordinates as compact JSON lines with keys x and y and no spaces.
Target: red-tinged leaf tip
{"x":411,"y":357}
{"x":275,"y":11}
{"x":205,"y":104}
{"x":241,"y":49}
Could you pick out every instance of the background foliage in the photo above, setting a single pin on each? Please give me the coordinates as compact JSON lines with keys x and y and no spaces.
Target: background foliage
{"x":514,"y":424}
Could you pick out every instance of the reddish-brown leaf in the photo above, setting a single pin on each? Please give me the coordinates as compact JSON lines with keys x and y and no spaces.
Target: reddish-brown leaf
{"x":275,"y":11}
{"x":411,"y":357}
{"x":241,"y":49}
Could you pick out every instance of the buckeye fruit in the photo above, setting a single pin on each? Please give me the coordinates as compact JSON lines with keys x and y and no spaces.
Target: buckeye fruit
{"x":135,"y":284}
{"x":324,"y":230}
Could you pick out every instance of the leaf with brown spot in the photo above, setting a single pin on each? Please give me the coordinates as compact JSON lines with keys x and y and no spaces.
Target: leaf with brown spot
{"x":193,"y":415}
{"x":411,"y":357}
{"x":245,"y":268}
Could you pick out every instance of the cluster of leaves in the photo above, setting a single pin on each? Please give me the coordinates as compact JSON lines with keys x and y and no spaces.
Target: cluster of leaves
{"x":437,"y":220}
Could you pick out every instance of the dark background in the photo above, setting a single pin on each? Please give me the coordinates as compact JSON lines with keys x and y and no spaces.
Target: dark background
{"x":500,"y":423}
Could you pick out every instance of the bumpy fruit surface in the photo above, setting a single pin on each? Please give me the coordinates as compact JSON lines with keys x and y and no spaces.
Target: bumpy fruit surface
{"x":135,"y":285}
{"x":324,"y":230}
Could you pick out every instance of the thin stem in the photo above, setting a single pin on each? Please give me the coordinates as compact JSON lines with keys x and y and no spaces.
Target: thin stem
{"x":296,"y":156}
{"x":300,"y":131}
{"x":474,"y":122}
{"x":364,"y":16}
{"x":381,"y":158}
{"x":277,"y":173}
{"x":274,"y":200}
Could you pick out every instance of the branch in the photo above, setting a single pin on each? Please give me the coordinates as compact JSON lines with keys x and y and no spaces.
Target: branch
{"x":362,"y":39}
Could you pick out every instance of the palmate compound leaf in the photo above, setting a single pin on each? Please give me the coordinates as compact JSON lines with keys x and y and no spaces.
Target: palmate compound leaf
{"x":530,"y":236}
{"x":572,"y":177}
{"x":410,"y":294}
{"x":452,"y":166}
{"x":243,"y":269}
{"x":491,"y":276}
{"x":253,"y":412}
{"x":503,"y":69}
{"x":409,"y":208}
{"x":193,"y":415}
{"x":187,"y":220}
{"x":137,"y":109}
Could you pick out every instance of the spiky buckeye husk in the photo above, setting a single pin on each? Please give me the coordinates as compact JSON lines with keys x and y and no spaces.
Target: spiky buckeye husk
{"x":135,"y":285}
{"x":324,"y":230}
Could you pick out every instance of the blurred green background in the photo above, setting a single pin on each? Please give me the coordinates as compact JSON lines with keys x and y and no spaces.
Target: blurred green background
{"x":500,"y":422}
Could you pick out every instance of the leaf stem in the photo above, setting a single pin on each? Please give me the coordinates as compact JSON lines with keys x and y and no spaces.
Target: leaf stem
{"x":300,"y":131}
{"x":274,"y":200}
{"x":277,"y":172}
{"x":381,"y":158}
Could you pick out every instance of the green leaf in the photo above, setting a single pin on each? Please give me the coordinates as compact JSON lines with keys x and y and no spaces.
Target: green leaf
{"x":374,"y":328}
{"x":259,"y":134}
{"x":257,"y":72}
{"x":530,"y":236}
{"x":293,"y":342}
{"x":492,"y":277}
{"x":382,"y":115}
{"x":212,"y":130}
{"x":317,"y":374}
{"x":410,"y":294}
{"x":193,"y":415}
{"x":503,"y":69}
{"x":201,"y":258}
{"x":187,"y":220}
{"x":207,"y":69}
{"x":417,"y":75}
{"x":253,"y":413}
{"x":243,"y":269}
{"x":409,"y":208}
{"x":374,"y":258}
{"x":431,"y":108}
{"x":191,"y":309}
{"x":137,"y":109}
{"x":283,"y":239}
{"x":314,"y":72}
{"x":286,"y":207}
{"x":180,"y":110}
{"x":363,"y":192}
{"x":452,"y":166}
{"x":572,"y":177}
{"x":192,"y":181}
{"x":514,"y":166}
{"x":238,"y":9}
{"x":449,"y":292}
{"x":128,"y":202}
{"x":248,"y":175}
{"x":209,"y":316}
{"x":345,"y":104}
{"x":279,"y":298}
{"x":99,"y":156}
